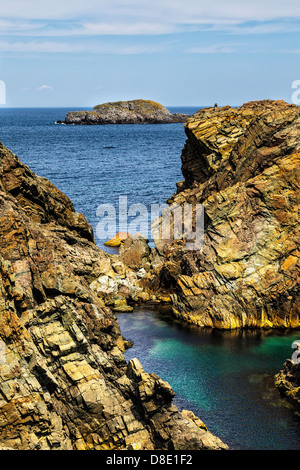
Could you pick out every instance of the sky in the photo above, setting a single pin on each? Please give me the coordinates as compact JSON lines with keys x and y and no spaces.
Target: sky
{"x":74,"y":53}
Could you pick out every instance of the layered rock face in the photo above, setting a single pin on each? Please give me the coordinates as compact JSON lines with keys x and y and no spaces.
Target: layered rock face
{"x":125,"y":112}
{"x":64,"y":382}
{"x":242,"y":165}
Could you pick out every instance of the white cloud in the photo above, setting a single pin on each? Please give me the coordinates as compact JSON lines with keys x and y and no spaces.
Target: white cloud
{"x":261,"y":28}
{"x":133,"y":29}
{"x":35,"y":47}
{"x":213,"y":49}
{"x":13,"y":26}
{"x":45,"y":88}
{"x":115,"y":17}
{"x":290,"y":51}
{"x":63,"y":47}
{"x":74,"y":27}
{"x":176,"y":10}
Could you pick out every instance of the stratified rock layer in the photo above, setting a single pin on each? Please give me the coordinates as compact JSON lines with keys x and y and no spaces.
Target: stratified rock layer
{"x":243,"y":165}
{"x":125,"y":112}
{"x":64,"y":382}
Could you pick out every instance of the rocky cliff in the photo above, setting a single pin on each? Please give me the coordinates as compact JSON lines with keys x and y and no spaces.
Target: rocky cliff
{"x":64,"y":382}
{"x":125,"y":112}
{"x":242,"y":165}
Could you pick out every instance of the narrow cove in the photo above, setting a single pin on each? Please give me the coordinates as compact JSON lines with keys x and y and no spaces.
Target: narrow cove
{"x":225,"y":377}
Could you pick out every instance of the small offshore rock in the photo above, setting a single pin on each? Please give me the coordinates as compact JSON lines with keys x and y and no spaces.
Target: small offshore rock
{"x":125,"y":112}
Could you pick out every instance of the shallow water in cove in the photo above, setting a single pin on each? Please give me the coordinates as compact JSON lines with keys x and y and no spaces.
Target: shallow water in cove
{"x":225,"y":378}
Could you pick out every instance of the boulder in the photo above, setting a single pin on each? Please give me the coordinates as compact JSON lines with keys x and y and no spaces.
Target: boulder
{"x":135,"y":252}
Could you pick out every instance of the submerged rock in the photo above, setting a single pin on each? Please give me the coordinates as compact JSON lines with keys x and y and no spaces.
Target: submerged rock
{"x":242,"y":164}
{"x":64,"y":381}
{"x":125,"y":112}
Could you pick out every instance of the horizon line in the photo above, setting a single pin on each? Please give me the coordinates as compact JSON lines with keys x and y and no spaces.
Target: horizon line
{"x":91,"y":107}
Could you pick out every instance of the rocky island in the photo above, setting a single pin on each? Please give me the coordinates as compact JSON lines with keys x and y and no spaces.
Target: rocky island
{"x":125,"y":112}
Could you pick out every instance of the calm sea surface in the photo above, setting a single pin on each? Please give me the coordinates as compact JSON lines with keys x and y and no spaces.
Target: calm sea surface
{"x":225,"y":378}
{"x":95,"y":165}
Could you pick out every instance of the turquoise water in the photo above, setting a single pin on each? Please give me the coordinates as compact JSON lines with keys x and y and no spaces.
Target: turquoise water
{"x":226,"y":378}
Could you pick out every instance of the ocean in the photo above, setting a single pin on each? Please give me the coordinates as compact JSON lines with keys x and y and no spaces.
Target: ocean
{"x":226,"y":378}
{"x":96,"y":165}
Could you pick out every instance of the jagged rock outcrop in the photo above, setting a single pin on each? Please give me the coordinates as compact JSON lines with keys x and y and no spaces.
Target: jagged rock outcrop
{"x":64,"y":382}
{"x":242,"y":165}
{"x":288,"y":379}
{"x":125,"y":112}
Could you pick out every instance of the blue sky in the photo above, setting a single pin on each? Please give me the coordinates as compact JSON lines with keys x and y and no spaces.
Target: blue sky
{"x":179,"y":52}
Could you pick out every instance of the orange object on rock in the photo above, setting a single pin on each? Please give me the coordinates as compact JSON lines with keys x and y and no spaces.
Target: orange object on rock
{"x":118,"y":239}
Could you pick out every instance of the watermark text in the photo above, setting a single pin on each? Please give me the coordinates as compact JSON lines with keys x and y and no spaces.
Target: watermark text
{"x":2,"y":92}
{"x":296,"y":94}
{"x":296,"y":353}
{"x":158,"y":222}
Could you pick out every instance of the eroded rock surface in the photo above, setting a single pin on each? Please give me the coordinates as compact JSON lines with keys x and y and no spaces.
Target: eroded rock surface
{"x":242,"y":164}
{"x":125,"y":112}
{"x":64,"y":382}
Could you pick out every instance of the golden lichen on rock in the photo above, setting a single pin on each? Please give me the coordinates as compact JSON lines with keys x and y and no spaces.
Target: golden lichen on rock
{"x":142,"y":106}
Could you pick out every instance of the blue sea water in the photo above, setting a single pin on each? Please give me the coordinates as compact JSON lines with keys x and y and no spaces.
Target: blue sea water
{"x":225,"y":378}
{"x":95,"y":165}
